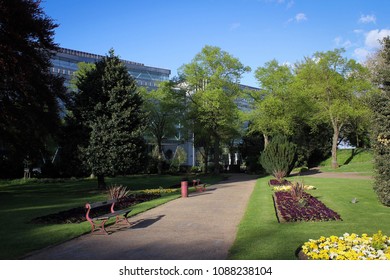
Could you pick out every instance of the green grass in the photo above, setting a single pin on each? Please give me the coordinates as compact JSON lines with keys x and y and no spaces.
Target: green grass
{"x":357,"y":160}
{"x":22,"y":201}
{"x":261,"y":237}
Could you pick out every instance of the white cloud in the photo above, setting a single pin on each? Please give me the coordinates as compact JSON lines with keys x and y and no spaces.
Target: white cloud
{"x":339,"y":41}
{"x":290,"y":4}
{"x":361,"y":54}
{"x":367,"y":19}
{"x":374,"y":36}
{"x":300,"y":17}
{"x":235,"y":26}
{"x":371,"y":43}
{"x":358,"y":31}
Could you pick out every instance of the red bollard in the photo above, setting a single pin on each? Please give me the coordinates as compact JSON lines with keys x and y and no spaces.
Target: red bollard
{"x":184,"y":188}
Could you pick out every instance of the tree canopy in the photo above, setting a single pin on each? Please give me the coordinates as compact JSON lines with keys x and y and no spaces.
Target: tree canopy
{"x":380,"y":122}
{"x":29,"y":93}
{"x":166,"y":107}
{"x":212,"y":80}
{"x":110,"y":106}
{"x":335,"y":84}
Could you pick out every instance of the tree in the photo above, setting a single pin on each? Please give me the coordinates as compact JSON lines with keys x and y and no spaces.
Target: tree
{"x":277,"y":108}
{"x":380,"y":106}
{"x":29,"y":93}
{"x":212,"y":80}
{"x":111,"y":107}
{"x":75,"y":131}
{"x":336,"y":85}
{"x":166,"y":109}
{"x":279,"y":157}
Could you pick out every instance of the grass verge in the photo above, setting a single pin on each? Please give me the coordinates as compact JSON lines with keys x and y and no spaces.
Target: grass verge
{"x":351,"y":160}
{"x":261,"y":237}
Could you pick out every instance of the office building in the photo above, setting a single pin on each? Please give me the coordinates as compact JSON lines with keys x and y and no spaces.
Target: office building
{"x":65,"y":61}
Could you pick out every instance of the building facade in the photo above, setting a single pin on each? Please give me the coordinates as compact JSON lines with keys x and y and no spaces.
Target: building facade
{"x":65,"y":61}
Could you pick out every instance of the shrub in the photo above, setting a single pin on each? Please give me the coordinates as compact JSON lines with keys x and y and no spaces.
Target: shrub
{"x":297,"y":190}
{"x":117,"y":192}
{"x":279,"y":157}
{"x":279,"y":175}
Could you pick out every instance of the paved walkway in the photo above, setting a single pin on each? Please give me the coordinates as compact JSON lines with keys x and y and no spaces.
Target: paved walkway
{"x":200,"y":227}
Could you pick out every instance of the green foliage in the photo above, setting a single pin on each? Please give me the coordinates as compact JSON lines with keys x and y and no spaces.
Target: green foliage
{"x":273,"y":110}
{"x":212,"y":80}
{"x":111,"y":111}
{"x":380,"y":106}
{"x":29,"y":93}
{"x":338,"y":87}
{"x":166,"y":109}
{"x":250,"y":148}
{"x":279,"y":156}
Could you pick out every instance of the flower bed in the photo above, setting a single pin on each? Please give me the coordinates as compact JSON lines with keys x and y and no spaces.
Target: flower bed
{"x":348,"y":247}
{"x":307,"y":208}
{"x":275,"y":182}
{"x":77,"y":215}
{"x":288,"y":188}
{"x":160,"y":191}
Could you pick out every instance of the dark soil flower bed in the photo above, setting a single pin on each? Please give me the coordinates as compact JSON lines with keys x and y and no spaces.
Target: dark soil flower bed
{"x":308,"y":208}
{"x":275,"y":182}
{"x":77,"y":215}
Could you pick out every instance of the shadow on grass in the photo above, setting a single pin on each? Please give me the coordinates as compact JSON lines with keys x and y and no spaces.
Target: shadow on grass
{"x":354,"y":152}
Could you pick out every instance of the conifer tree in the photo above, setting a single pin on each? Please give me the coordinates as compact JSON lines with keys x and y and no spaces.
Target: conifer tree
{"x":115,"y":120}
{"x":279,"y":157}
{"x":29,"y":93}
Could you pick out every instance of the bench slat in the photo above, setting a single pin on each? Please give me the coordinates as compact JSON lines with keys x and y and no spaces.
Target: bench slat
{"x":102,"y":203}
{"x":110,"y":215}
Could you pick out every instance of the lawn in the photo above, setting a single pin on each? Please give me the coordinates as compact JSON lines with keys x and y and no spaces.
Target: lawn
{"x":22,"y":201}
{"x":261,"y":237}
{"x":351,"y":160}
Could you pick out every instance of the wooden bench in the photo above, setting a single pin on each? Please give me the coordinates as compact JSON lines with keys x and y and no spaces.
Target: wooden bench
{"x":98,"y":223}
{"x":198,"y":186}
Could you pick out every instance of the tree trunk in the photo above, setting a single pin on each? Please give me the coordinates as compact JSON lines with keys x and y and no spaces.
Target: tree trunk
{"x":206,"y":160}
{"x":216,"y":156}
{"x":266,"y":141}
{"x":101,"y":182}
{"x":160,"y":159}
{"x":336,"y":132}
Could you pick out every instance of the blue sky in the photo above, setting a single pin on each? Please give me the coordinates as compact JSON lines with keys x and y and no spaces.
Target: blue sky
{"x":168,"y":34}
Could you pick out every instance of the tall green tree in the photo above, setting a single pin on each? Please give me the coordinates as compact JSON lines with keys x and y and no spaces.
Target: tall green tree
{"x":75,"y":131}
{"x":272,"y":110}
{"x":115,"y":119}
{"x":336,"y":85}
{"x":380,"y":106}
{"x":29,"y":93}
{"x":212,"y":80}
{"x":166,"y":108}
